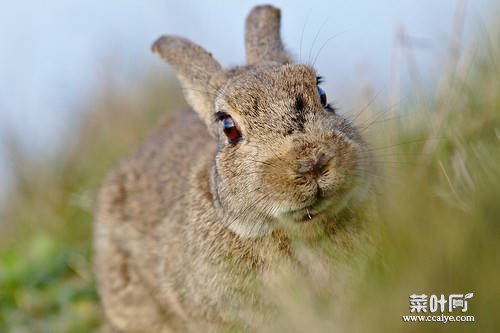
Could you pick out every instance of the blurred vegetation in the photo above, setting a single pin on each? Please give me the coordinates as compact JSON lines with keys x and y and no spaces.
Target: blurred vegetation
{"x":435,"y":230}
{"x":46,"y":280}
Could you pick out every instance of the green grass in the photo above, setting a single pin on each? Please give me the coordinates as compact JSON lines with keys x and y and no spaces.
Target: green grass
{"x":435,"y":228}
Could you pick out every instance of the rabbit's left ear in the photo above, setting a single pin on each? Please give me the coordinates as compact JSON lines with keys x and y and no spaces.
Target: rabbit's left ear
{"x":262,"y":36}
{"x":200,"y":74}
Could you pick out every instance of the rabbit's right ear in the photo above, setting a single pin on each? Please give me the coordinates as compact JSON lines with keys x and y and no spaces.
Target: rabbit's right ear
{"x":262,"y":36}
{"x":200,"y":74}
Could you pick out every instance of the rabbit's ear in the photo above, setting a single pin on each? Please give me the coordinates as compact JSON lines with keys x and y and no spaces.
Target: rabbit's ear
{"x":200,"y":74}
{"x":262,"y":36}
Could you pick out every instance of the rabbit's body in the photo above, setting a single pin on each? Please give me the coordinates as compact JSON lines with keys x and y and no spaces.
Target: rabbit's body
{"x":188,"y":223}
{"x":174,"y":272}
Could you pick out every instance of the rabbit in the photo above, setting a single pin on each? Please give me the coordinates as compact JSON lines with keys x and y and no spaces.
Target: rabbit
{"x":208,"y":202}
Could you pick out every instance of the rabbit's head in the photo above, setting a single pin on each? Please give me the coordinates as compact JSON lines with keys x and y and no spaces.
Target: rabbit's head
{"x":283,"y":153}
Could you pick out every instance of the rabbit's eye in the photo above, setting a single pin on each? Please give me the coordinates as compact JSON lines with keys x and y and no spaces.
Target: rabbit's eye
{"x":322,"y":97}
{"x":230,"y":129}
{"x":324,"y":101}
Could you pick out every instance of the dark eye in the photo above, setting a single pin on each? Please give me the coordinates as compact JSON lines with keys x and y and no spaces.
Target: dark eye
{"x":324,"y":101}
{"x":322,"y":97}
{"x":229,"y":127}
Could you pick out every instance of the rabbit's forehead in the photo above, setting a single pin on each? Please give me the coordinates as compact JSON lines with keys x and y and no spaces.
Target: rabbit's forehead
{"x":270,"y":84}
{"x":272,"y":96}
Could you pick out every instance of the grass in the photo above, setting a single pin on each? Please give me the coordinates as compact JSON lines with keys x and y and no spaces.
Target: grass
{"x":435,"y":228}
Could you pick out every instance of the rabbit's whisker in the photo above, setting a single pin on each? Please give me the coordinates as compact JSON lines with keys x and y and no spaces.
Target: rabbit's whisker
{"x":302,"y":33}
{"x":315,"y":38}
{"x":401,"y":144}
{"x":324,"y":44}
{"x":367,"y":106}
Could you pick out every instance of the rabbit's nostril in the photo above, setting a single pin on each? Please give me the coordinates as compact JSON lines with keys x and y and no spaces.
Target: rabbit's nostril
{"x":312,"y":167}
{"x":305,"y":166}
{"x":321,"y":160}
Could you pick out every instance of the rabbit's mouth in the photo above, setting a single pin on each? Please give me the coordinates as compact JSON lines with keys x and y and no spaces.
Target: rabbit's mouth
{"x":323,"y":207}
{"x":304,"y":215}
{"x":309,"y":212}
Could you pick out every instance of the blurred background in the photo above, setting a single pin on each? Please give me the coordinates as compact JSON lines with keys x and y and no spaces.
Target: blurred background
{"x":79,"y":87}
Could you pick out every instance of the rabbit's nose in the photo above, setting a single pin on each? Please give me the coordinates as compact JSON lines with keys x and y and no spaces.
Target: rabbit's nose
{"x":312,"y":168}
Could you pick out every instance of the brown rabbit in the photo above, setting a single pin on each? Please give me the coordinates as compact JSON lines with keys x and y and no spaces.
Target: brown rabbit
{"x":186,"y":224}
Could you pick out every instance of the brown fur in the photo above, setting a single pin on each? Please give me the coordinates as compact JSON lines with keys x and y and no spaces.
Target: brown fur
{"x":188,"y":223}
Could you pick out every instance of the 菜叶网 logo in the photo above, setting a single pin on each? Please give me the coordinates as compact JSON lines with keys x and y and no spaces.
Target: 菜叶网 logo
{"x":434,"y":303}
